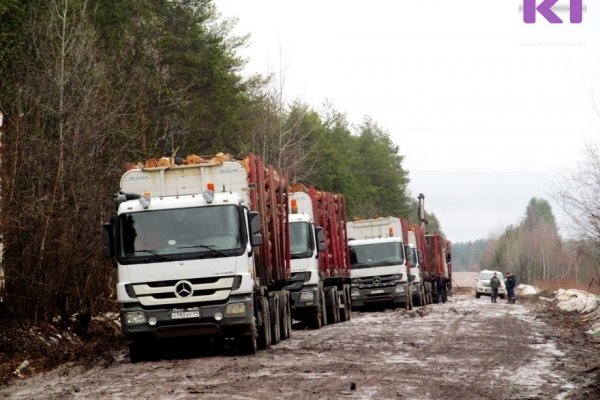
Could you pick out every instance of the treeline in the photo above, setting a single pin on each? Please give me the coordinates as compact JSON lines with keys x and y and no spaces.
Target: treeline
{"x":534,"y":251}
{"x":89,"y":85}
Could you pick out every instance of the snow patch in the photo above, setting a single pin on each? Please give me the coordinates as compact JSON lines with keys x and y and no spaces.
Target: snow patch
{"x":527,"y":290}
{"x":576,"y":300}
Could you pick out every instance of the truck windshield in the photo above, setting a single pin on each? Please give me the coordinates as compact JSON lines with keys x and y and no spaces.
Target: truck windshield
{"x":301,"y":243}
{"x":180,"y":233}
{"x":376,"y":255}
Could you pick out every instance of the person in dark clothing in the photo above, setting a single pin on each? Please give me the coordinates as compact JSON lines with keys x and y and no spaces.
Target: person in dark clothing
{"x":494,"y":285}
{"x":511,"y":283}
{"x":440,"y":283}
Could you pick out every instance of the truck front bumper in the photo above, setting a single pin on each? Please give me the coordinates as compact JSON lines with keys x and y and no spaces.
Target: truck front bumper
{"x":375,"y":295}
{"x":304,"y":301}
{"x":232,"y":318}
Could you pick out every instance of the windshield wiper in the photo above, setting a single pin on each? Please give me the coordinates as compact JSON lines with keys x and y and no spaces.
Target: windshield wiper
{"x":208,"y":247}
{"x":155,"y":253}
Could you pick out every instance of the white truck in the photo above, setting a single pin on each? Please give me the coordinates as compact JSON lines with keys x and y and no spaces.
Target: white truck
{"x":202,"y":250}
{"x":320,"y":281}
{"x":378,"y":261}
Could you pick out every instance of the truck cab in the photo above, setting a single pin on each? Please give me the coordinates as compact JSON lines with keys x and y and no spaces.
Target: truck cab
{"x":320,"y":283}
{"x":379,"y":272}
{"x":186,"y":258}
{"x":305,"y":287}
{"x":379,"y":263}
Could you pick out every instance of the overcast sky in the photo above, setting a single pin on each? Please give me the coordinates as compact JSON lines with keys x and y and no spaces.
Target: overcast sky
{"x":487,"y":110}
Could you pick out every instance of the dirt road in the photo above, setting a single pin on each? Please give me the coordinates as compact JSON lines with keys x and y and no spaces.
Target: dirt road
{"x":465,"y":349}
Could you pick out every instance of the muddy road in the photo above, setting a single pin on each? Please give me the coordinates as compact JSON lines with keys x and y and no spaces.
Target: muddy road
{"x":465,"y":349}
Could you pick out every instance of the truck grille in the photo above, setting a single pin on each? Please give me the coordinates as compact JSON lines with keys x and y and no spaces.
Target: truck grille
{"x":376,"y":281}
{"x":183,"y":291}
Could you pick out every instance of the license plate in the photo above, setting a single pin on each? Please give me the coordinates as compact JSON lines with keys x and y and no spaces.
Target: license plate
{"x":377,"y":291}
{"x":185,"y":314}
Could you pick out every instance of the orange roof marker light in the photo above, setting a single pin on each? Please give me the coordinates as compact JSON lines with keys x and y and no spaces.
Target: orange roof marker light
{"x":390,"y":232}
{"x":145,"y":200}
{"x":209,"y":193}
{"x":294,"y":206}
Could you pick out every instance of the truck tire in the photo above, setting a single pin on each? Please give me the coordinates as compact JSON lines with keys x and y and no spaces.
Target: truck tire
{"x":275,"y":318}
{"x":349,"y":302}
{"x":323,"y":307}
{"x":418,"y":298}
{"x":319,"y":318}
{"x":285,"y":315}
{"x":345,"y":312}
{"x":344,"y":302}
{"x":247,"y":344}
{"x":138,"y":351}
{"x":264,"y":337}
{"x":315,"y":321}
{"x":333,"y":305}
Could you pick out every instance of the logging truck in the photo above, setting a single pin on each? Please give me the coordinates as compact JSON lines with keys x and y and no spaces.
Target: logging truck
{"x":202,"y":249}
{"x":320,"y":282}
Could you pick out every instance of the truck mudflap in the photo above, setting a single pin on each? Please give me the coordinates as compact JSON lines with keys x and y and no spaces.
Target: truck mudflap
{"x":228,"y":319}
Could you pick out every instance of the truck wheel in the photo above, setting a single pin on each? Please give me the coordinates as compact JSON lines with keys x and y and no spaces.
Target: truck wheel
{"x":477,"y":295}
{"x":333,"y":306}
{"x":275,"y":318}
{"x":315,"y":320}
{"x":138,"y":351}
{"x":285,"y":315}
{"x":345,"y":312}
{"x":343,"y":301}
{"x":248,"y":343}
{"x":324,"y":317}
{"x":264,"y":339}
{"x":349,"y":302}
{"x":417,"y":299}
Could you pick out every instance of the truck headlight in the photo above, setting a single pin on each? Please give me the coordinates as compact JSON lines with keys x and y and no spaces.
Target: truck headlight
{"x":355,"y":292}
{"x":307,"y":296}
{"x":235,"y":309}
{"x":399,"y":289}
{"x":135,"y":318}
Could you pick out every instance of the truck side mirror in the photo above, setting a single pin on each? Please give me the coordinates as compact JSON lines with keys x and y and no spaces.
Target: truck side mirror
{"x":407,"y":252}
{"x":255,"y":226}
{"x":420,"y":257}
{"x":108,"y":240}
{"x":320,"y":238}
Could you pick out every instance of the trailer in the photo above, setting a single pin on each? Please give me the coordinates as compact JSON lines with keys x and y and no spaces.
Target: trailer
{"x":202,"y":250}
{"x":437,"y":258}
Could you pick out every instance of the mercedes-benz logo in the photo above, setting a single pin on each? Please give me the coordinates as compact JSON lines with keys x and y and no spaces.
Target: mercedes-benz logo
{"x":376,"y":279}
{"x":183,"y":289}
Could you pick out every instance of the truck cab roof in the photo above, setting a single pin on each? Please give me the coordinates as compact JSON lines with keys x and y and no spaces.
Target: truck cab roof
{"x":358,"y":242}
